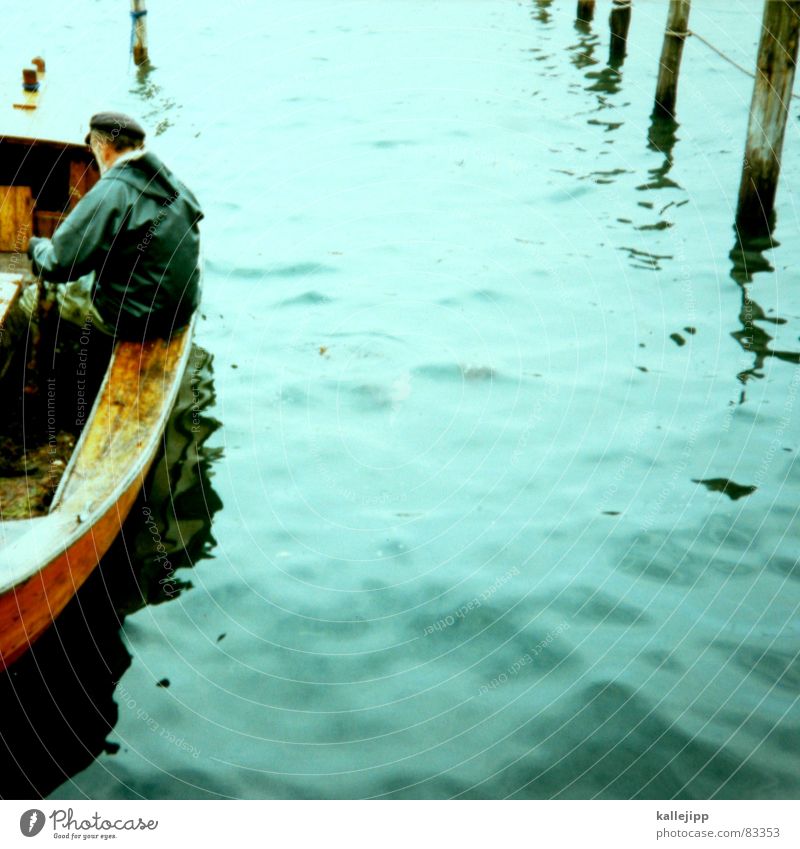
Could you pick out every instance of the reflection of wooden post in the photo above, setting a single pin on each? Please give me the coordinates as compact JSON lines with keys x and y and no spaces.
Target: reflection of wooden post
{"x":139,"y":46}
{"x":777,"y":55}
{"x":670,"y":64}
{"x":619,"y":22}
{"x":585,"y":10}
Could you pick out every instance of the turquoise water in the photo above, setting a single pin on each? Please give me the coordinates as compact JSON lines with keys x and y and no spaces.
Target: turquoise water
{"x":476,"y":331}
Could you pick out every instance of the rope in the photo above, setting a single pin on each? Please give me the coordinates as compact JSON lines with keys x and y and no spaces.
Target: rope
{"x":720,"y":53}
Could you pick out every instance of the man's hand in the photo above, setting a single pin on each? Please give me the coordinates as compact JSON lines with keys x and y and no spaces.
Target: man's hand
{"x":32,"y":242}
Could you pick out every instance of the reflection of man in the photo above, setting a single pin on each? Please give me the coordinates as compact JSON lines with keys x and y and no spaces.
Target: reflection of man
{"x":131,"y":244}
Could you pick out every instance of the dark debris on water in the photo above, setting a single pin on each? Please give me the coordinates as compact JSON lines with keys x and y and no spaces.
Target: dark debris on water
{"x":727,"y":487}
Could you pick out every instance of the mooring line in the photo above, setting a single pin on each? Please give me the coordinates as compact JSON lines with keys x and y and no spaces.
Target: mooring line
{"x":723,"y":55}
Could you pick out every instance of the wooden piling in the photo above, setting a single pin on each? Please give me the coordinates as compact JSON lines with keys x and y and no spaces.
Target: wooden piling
{"x":585,"y":10}
{"x":619,"y":21}
{"x":670,"y":62}
{"x":30,"y":80}
{"x":769,"y":109}
{"x":139,"y":32}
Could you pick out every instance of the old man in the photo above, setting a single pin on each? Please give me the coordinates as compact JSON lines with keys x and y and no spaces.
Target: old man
{"x":127,"y":256}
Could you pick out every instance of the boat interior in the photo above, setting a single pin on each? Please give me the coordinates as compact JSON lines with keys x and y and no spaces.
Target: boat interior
{"x":49,"y":371}
{"x":40,"y":183}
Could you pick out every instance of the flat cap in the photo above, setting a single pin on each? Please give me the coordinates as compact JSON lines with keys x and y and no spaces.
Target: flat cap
{"x":115,"y":123}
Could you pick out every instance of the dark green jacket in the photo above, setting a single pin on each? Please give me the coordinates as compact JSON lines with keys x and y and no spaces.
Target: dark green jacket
{"x":137,"y":230}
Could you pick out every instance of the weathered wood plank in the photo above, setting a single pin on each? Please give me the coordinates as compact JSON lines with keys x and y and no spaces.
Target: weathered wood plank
{"x":671,"y":52}
{"x":139,"y":15}
{"x":585,"y":10}
{"x":619,"y":22}
{"x":81,"y":178}
{"x":16,"y":218}
{"x":769,"y":109}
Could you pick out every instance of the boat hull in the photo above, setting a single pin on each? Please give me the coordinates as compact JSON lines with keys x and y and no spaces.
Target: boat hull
{"x":45,"y":559}
{"x":29,"y":609}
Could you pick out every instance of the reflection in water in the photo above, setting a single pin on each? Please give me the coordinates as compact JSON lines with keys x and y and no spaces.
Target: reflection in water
{"x":156,"y":108}
{"x":606,"y":81}
{"x":748,"y":260}
{"x":583,"y":51}
{"x":733,"y":490}
{"x":58,"y":705}
{"x":542,"y":11}
{"x":645,"y":260}
{"x":177,"y":502}
{"x":661,"y":138}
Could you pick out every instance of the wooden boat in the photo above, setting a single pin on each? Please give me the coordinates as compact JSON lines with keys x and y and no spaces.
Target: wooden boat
{"x":46,"y":556}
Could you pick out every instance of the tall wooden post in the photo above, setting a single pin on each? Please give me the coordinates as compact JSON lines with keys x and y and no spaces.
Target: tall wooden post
{"x":671,"y":52}
{"x":139,"y":32}
{"x":619,"y":21}
{"x":585,"y":10}
{"x":769,"y":109}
